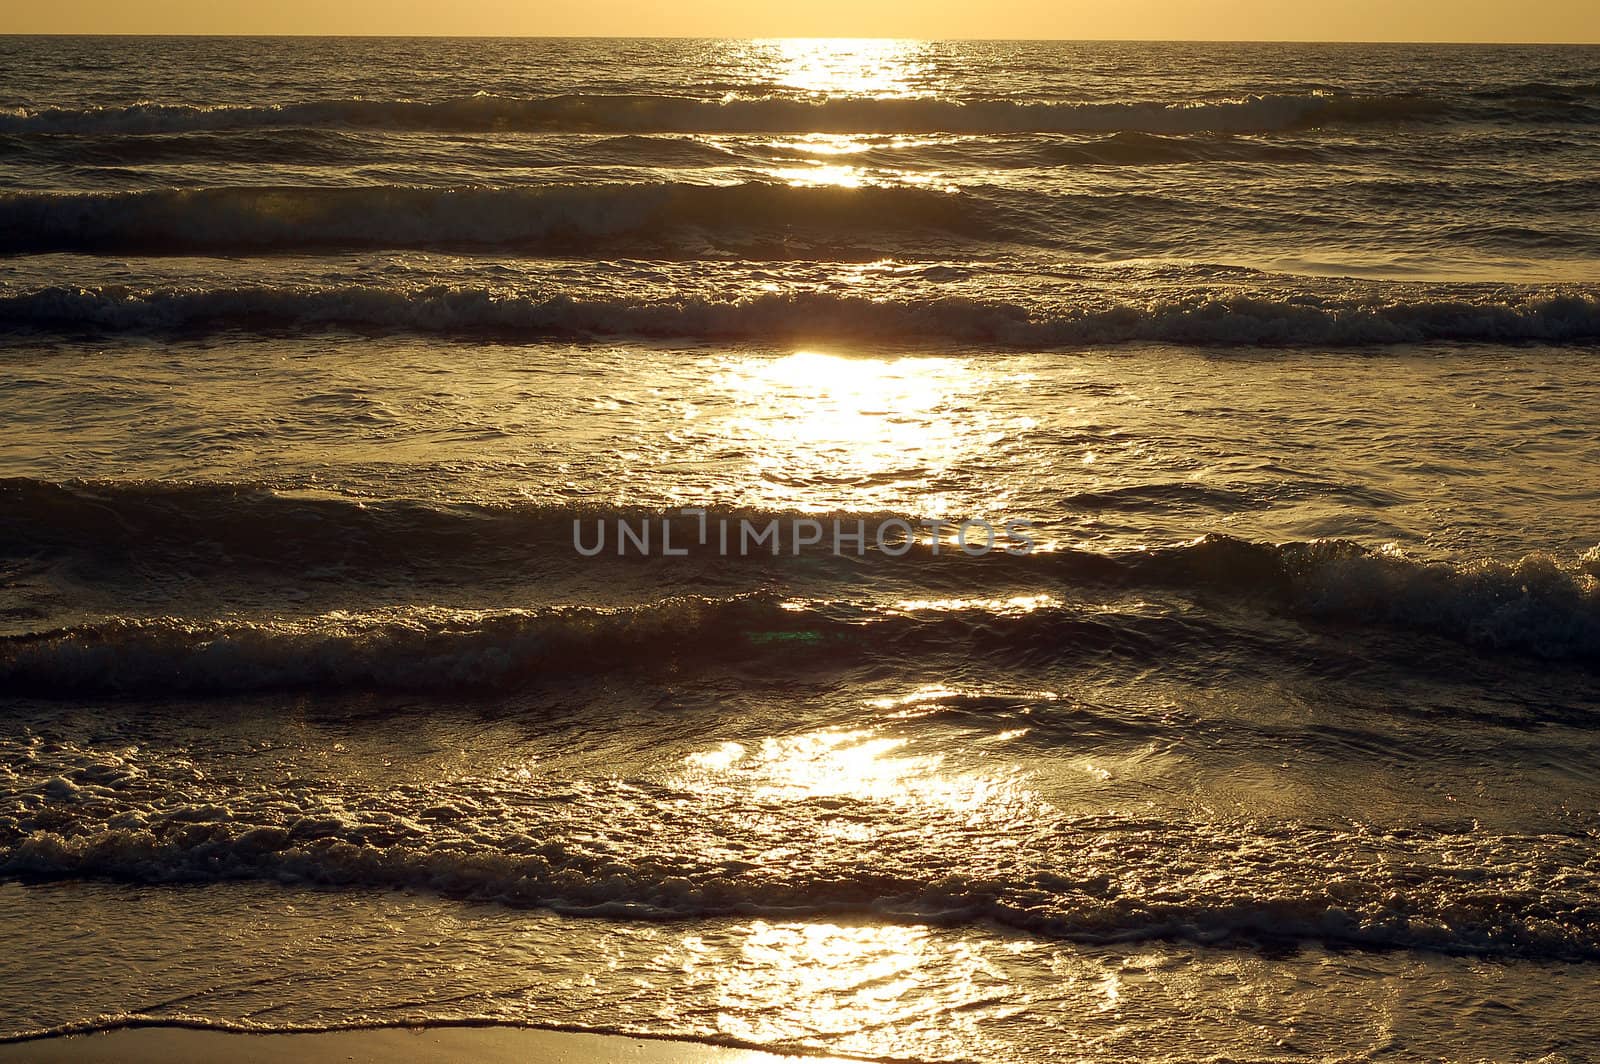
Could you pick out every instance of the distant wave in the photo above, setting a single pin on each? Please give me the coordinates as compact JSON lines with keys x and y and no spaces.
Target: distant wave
{"x":354,"y":147}
{"x":1541,"y":90}
{"x":1132,"y":148}
{"x":1221,"y":318}
{"x":668,"y":216}
{"x":361,"y":147}
{"x":675,"y":219}
{"x":681,"y":114}
{"x":1536,"y":102}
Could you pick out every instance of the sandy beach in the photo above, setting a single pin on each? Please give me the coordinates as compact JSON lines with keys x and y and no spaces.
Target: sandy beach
{"x":487,"y":1045}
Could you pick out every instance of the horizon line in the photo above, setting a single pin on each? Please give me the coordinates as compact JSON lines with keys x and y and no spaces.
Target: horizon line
{"x":803,"y":37}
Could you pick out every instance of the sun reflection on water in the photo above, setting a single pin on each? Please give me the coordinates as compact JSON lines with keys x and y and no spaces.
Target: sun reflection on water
{"x":862,"y":764}
{"x":875,"y":427}
{"x":842,"y":763}
{"x":818,"y":174}
{"x":843,"y":975}
{"x":894,"y":986}
{"x":822,"y":175}
{"x":849,"y":143}
{"x":1016,"y":604}
{"x":854,"y":987}
{"x":845,"y":66}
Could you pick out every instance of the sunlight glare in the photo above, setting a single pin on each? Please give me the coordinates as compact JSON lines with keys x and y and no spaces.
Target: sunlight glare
{"x":867,"y":424}
{"x":846,"y":66}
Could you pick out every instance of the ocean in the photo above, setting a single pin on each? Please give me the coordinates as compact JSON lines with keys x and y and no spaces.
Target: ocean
{"x":978,"y":551}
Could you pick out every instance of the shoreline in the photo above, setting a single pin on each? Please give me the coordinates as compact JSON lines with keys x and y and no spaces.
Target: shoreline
{"x":180,"y":1043}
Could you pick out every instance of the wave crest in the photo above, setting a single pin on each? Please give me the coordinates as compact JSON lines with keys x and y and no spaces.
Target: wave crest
{"x":667,"y":216}
{"x":1533,"y":605}
{"x":1205,"y":318}
{"x":589,"y":113}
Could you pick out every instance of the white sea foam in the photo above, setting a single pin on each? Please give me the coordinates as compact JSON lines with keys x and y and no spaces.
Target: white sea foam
{"x":1104,"y":878}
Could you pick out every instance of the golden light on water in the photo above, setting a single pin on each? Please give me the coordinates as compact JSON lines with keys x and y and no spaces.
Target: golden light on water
{"x":832,"y":763}
{"x":868,"y":988}
{"x":849,"y":68}
{"x":850,"y":143}
{"x":878,"y":986}
{"x":840,"y":977}
{"x":1007,"y":606}
{"x":818,"y":174}
{"x":845,"y":66}
{"x":822,"y":175}
{"x":326,"y":379}
{"x":874,"y":427}
{"x":862,"y":764}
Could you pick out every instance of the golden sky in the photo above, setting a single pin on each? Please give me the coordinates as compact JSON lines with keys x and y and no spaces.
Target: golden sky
{"x":1556,"y":21}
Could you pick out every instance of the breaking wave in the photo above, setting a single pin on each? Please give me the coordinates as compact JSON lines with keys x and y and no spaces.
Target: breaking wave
{"x":1262,"y":113}
{"x":124,"y":817}
{"x":1534,"y":605}
{"x":1531,"y":606}
{"x":1206,"y":318}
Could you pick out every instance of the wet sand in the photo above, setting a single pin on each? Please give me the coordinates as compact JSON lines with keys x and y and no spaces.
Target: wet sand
{"x":438,"y":1045}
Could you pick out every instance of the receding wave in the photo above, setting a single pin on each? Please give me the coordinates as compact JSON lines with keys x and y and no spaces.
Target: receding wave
{"x":1106,"y":878}
{"x":108,"y":1023}
{"x":1525,"y":925}
{"x":681,"y":114}
{"x":1204,"y":318}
